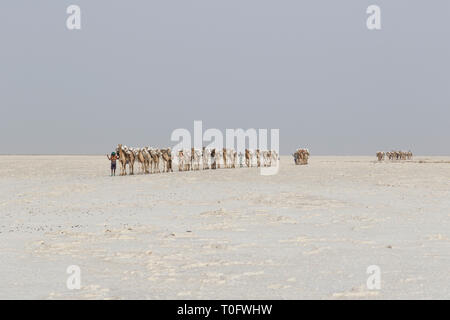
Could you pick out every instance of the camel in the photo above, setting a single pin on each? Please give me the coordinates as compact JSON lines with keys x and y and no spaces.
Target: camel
{"x":147,"y":159}
{"x":206,"y":153}
{"x":234,"y":159}
{"x":218,"y":155}
{"x":166,"y":155}
{"x":269,"y":157}
{"x":274,"y":156}
{"x":195,"y":159}
{"x":306,"y":156}
{"x":180,"y":160}
{"x":143,"y":157}
{"x":187,"y":160}
{"x":126,"y":156}
{"x":224,"y":157}
{"x":230,"y":154}
{"x":241,"y":158}
{"x":184,"y":160}
{"x":266,"y":156}
{"x":258,"y":158}
{"x":409,"y":155}
{"x":192,"y":160}
{"x":164,"y":159}
{"x":213,"y":159}
{"x":296,"y":156}
{"x":301,"y":156}
{"x":140,"y":157}
{"x":380,"y":155}
{"x":127,"y":159}
{"x":248,"y":157}
{"x":227,"y":155}
{"x":130,"y":157}
{"x":154,"y":154}
{"x":122,"y":160}
{"x":403,"y":155}
{"x":169,"y":160}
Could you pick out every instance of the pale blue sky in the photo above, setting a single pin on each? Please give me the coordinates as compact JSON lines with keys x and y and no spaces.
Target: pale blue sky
{"x":140,"y":69}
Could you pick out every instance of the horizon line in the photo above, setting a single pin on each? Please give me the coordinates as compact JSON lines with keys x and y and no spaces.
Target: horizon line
{"x":101,"y":154}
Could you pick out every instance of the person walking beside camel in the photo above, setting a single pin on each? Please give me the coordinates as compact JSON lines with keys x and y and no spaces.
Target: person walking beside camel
{"x":113,"y":159}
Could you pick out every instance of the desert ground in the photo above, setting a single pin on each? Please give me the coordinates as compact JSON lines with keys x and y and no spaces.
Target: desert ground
{"x":307,"y":232}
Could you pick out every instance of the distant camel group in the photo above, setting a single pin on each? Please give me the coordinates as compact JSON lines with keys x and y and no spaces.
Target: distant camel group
{"x":301,"y":156}
{"x":394,"y":155}
{"x":153,"y":160}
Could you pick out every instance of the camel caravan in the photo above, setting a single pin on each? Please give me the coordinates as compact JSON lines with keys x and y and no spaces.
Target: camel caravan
{"x":301,"y":156}
{"x":394,"y":155}
{"x":152,"y":160}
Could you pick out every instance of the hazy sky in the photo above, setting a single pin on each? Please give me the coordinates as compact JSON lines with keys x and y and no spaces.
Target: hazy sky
{"x":140,"y":69}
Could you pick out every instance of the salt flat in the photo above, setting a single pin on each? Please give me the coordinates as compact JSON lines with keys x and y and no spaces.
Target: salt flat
{"x":307,"y":232}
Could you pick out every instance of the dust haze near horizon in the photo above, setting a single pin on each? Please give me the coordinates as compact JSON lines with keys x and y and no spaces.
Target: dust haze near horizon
{"x":138,"y":70}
